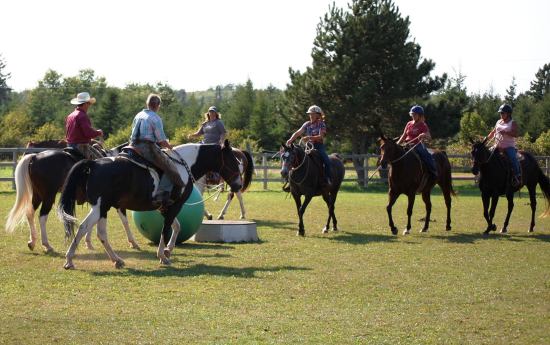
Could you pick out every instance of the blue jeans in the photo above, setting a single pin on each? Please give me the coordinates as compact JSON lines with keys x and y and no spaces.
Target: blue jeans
{"x":324,"y":156}
{"x":426,"y":157}
{"x":511,"y":153}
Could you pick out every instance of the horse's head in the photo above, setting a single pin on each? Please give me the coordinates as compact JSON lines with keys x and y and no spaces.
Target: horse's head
{"x":231,"y":168}
{"x":389,"y":150}
{"x":480,"y":154}
{"x":291,"y":157}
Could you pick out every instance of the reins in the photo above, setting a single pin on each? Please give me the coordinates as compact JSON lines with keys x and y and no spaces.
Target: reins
{"x":406,"y":153}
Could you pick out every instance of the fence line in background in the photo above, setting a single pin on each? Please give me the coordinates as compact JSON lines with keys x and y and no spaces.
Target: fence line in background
{"x":267,"y":168}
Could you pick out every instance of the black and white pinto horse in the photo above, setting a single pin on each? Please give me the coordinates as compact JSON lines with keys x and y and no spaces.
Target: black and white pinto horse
{"x":120,"y":183}
{"x":38,"y":178}
{"x":246,"y":167}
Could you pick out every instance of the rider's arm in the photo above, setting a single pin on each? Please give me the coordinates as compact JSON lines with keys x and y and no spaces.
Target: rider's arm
{"x":491,"y":134}
{"x":512,"y":132}
{"x":403,"y":136}
{"x":294,"y":136}
{"x":165,"y":144}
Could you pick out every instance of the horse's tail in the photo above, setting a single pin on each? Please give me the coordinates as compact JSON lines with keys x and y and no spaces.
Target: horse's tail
{"x":23,"y":200}
{"x":248,"y":172}
{"x":544,"y":184}
{"x":446,"y":165}
{"x":76,"y":180}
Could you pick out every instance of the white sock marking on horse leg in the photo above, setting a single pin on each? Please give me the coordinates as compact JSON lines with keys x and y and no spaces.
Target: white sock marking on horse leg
{"x":129,"y":234}
{"x":86,"y":226}
{"x":44,"y":234}
{"x":176,"y":228}
{"x":33,"y":234}
{"x":102,"y":235}
{"x":243,"y":211}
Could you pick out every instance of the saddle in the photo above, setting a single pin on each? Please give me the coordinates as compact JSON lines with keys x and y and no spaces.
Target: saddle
{"x":508,"y":163}
{"x":74,"y":153}
{"x":426,"y":176}
{"x":131,"y":154}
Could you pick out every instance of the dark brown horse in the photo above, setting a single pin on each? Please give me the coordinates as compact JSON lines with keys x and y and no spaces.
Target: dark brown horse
{"x":246,"y":164}
{"x":408,"y":175}
{"x":495,"y":180}
{"x":47,"y":144}
{"x":304,"y":173}
{"x":38,"y":178}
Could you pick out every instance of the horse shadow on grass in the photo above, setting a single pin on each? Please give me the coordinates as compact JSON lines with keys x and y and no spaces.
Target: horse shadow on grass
{"x":478,"y":237}
{"x":277,"y":224}
{"x":198,"y":270}
{"x":357,"y":238}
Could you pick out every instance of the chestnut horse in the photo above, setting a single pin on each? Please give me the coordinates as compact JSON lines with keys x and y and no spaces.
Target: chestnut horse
{"x":409,"y":175}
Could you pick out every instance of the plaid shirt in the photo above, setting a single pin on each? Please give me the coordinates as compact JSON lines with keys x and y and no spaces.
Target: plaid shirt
{"x":147,"y":125}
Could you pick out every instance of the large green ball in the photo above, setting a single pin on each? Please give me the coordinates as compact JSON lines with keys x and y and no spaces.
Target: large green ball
{"x":149,"y":223}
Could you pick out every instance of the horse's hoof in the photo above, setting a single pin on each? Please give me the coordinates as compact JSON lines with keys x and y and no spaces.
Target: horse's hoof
{"x":503,"y":230}
{"x":448,"y":228}
{"x":31,"y":245}
{"x":167,"y":252}
{"x":209,"y":217}
{"x":325,"y":230}
{"x":220,"y":218}
{"x":89,"y":246}
{"x":493,"y":227}
{"x":165,"y":261}
{"x":335,"y":229}
{"x":243,"y":217}
{"x":119,"y":264}
{"x":48,"y":250}
{"x":394,"y":231}
{"x":406,"y":232}
{"x":424,"y":230}
{"x":68,"y":266}
{"x":531,"y":230}
{"x":134,"y":245}
{"x":301,"y":233}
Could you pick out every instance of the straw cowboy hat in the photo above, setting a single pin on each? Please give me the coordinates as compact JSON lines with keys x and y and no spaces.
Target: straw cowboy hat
{"x":82,"y":98}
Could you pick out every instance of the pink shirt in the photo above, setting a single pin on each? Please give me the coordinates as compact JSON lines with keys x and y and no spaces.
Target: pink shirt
{"x":504,"y":140}
{"x":413,"y":130}
{"x":78,"y":128}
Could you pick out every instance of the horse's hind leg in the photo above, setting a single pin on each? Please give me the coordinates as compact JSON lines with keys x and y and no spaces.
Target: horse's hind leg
{"x":129,"y":235}
{"x":43,"y":219}
{"x":85,"y":227}
{"x":533,"y":204}
{"x":33,"y":235}
{"x":448,"y":204}
{"x":489,"y":207}
{"x":428,"y":202}
{"x":102,"y":235}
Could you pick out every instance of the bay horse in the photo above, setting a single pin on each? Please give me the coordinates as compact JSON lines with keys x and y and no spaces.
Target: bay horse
{"x":409,"y":175}
{"x":120,"y":183}
{"x":246,"y":165}
{"x":495,"y":180}
{"x":303,"y":169}
{"x":38,"y":178}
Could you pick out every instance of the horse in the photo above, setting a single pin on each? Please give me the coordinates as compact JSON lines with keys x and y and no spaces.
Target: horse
{"x":495,"y":180}
{"x":120,"y":183}
{"x":409,"y":175}
{"x":246,"y":163}
{"x":303,"y":169}
{"x":38,"y":178}
{"x":49,"y":144}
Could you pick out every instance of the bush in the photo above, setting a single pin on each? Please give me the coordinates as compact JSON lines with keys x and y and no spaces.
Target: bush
{"x":49,"y":131}
{"x":16,"y":126}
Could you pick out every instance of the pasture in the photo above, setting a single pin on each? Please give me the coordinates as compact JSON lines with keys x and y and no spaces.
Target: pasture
{"x":360,"y":285}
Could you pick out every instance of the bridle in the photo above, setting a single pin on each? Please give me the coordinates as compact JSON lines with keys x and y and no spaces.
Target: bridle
{"x":295,"y":166}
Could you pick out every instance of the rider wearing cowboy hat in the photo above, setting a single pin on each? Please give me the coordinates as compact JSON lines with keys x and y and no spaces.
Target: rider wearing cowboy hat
{"x":78,"y":127}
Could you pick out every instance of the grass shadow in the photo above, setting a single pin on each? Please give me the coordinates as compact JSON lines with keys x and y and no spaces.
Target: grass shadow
{"x":198,"y":270}
{"x":278,"y":224}
{"x":476,"y":237}
{"x":356,"y":238}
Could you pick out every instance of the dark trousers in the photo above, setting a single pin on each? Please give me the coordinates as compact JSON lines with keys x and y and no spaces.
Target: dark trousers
{"x":324,"y":156}
{"x":426,"y":157}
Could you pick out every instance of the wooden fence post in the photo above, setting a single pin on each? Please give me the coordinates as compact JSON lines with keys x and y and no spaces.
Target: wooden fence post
{"x":264,"y":163}
{"x":365,"y":171}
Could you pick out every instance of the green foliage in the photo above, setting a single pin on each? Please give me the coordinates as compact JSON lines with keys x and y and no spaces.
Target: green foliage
{"x":472,"y":127}
{"x":181,"y":135}
{"x":4,"y":89}
{"x":240,"y":109}
{"x":49,"y":131}
{"x":16,"y":126}
{"x":120,"y":136}
{"x":541,"y":85}
{"x":444,"y":110}
{"x":542,"y":144}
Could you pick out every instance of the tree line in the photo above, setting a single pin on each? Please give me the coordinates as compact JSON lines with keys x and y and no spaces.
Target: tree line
{"x":366,"y":73}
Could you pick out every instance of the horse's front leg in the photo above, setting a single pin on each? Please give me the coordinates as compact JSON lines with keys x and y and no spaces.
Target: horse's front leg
{"x":410,"y":205}
{"x":392,"y":199}
{"x":329,"y":200}
{"x":428,"y":202}
{"x":302,"y":210}
{"x":129,"y":235}
{"x":510,"y":197}
{"x":241,"y":203}
{"x":85,"y":227}
{"x":226,"y":205}
{"x":533,"y":203}
{"x":298,"y":202}
{"x":486,"y":199}
{"x":176,"y":228}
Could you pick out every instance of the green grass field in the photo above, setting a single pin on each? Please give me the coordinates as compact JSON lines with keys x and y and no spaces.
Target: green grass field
{"x":360,"y":285}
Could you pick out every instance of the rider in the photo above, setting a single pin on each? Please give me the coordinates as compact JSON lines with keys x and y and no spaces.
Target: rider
{"x":147,"y":133}
{"x":505,"y":133}
{"x":416,"y":131}
{"x":78,"y":127}
{"x":315,"y":131}
{"x":212,"y":128}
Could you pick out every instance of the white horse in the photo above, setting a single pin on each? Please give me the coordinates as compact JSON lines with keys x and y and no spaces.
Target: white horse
{"x":246,"y":167}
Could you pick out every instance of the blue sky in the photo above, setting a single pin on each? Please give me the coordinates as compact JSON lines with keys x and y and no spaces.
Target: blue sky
{"x":199,"y":44}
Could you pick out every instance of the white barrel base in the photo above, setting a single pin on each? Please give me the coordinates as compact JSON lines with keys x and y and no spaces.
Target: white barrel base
{"x":226,"y":231}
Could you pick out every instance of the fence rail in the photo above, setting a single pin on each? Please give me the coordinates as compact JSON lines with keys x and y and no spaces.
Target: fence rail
{"x":358,"y":168}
